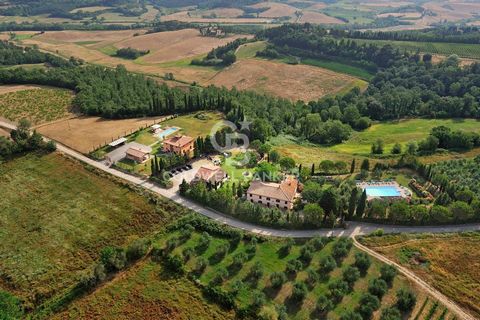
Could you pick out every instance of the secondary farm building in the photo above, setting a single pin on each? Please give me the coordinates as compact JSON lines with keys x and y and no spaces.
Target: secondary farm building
{"x":181,"y":145}
{"x":215,"y":176}
{"x":281,"y":195}
{"x":137,"y":155}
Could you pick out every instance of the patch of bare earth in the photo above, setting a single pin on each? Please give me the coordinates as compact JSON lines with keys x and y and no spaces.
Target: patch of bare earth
{"x":4,"y":133}
{"x":175,"y":45}
{"x":85,"y":134}
{"x":186,"y":16}
{"x":72,"y":36}
{"x":14,"y":88}
{"x":295,"y":82}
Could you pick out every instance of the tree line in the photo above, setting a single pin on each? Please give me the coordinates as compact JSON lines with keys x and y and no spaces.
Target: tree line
{"x":11,"y":55}
{"x":448,"y":34}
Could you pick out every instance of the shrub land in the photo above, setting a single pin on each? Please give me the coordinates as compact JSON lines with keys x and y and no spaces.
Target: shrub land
{"x":56,"y":218}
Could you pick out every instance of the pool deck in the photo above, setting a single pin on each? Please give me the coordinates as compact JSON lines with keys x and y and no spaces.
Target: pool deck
{"x":161,"y":134}
{"x":404,"y":193}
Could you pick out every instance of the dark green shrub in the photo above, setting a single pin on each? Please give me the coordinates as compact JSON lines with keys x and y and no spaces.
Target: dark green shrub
{"x":327,"y":264}
{"x":378,"y":287}
{"x":350,"y":275}
{"x":277,"y":279}
{"x":137,"y":249}
{"x":324,"y":304}
{"x":299,"y":292}
{"x":293,"y":266}
{"x":368,"y":305}
{"x":391,"y":313}
{"x":350,"y":315}
{"x":362,"y":262}
{"x":388,"y":273}
{"x":406,"y":300}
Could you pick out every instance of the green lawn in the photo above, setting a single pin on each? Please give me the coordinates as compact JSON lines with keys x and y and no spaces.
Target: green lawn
{"x":340,"y":68}
{"x":235,"y":173}
{"x":192,"y":124}
{"x":57,"y":216}
{"x":401,"y":132}
{"x":461,"y":49}
{"x":249,"y":50}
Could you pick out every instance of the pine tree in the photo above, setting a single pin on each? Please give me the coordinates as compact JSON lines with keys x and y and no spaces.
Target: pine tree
{"x":362,"y":203}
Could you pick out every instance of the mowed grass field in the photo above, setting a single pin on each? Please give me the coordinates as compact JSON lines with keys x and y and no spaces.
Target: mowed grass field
{"x":401,"y":132}
{"x":56,"y":217}
{"x":359,"y":144}
{"x":39,"y":105}
{"x":463,"y":50}
{"x":450,"y":262}
{"x":194,"y":125}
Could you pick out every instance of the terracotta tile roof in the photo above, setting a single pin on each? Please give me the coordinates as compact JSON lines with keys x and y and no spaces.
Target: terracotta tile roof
{"x":137,"y":153}
{"x":286,"y":190}
{"x":210,"y":174}
{"x":178,"y":141}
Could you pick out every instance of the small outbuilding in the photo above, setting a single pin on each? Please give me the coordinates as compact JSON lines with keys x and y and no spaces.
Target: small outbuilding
{"x":137,"y":155}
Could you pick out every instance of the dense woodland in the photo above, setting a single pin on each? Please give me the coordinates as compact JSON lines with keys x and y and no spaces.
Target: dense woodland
{"x":61,"y":9}
{"x":405,"y":85}
{"x":450,"y":34}
{"x":13,"y":55}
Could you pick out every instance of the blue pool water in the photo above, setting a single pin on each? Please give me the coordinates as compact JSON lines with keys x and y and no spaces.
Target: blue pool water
{"x":382,"y":191}
{"x":166,"y":133}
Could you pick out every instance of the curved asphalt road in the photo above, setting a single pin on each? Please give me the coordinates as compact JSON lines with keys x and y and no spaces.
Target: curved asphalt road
{"x":353,"y":229}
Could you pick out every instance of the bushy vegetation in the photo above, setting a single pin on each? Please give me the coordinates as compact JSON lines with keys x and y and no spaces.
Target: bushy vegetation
{"x":11,"y":54}
{"x":23,"y":140}
{"x":221,"y":56}
{"x":131,"y":53}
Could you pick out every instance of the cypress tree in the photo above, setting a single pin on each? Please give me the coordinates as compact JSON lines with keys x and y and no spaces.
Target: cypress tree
{"x":352,"y":204}
{"x":313,"y":169}
{"x":352,"y":167}
{"x":362,"y":203}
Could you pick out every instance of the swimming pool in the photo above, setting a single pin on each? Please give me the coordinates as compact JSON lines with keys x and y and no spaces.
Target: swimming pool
{"x":166,"y":132}
{"x":382,"y":191}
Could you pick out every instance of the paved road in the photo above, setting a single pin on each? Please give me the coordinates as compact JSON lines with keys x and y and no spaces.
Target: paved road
{"x":353,"y":229}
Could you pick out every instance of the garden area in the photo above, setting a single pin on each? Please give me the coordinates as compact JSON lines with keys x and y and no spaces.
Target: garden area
{"x":197,"y":124}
